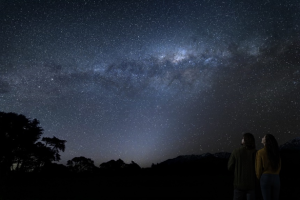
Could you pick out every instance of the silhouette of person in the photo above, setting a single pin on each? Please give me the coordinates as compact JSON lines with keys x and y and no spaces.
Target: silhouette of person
{"x":267,"y":168}
{"x":242,"y":163}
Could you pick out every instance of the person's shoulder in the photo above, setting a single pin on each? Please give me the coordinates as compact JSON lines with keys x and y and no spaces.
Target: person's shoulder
{"x":237,"y":150}
{"x":234,"y":151}
{"x":260,"y":151}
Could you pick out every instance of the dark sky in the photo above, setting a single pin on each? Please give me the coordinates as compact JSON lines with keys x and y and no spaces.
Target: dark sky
{"x":150,"y":80}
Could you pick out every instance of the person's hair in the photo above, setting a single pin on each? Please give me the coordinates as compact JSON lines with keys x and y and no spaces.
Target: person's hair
{"x":272,"y":151}
{"x":249,"y":141}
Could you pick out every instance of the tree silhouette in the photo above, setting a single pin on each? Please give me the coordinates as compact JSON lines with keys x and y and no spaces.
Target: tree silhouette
{"x":17,"y":137}
{"x":81,"y":164}
{"x":120,"y":165}
{"x":43,"y":155}
{"x":112,"y":164}
{"x":132,"y":166}
{"x":19,"y":146}
{"x":56,"y":145}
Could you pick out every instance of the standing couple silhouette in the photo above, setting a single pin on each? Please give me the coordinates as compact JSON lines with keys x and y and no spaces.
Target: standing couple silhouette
{"x":252,"y":168}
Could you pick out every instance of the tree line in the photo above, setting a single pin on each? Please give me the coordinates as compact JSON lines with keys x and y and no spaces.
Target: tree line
{"x":23,"y":149}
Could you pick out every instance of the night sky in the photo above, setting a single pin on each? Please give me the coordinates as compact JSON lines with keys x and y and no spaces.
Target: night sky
{"x":150,"y":80}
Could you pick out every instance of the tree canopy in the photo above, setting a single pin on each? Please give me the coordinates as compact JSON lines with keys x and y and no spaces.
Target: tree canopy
{"x":119,"y":164}
{"x":81,"y":164}
{"x":20,"y":148}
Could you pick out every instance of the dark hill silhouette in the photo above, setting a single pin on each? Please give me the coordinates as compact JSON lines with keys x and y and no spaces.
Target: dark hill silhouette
{"x":113,"y":164}
{"x":119,"y":165}
{"x":293,"y":144}
{"x":290,"y":146}
{"x":195,"y":158}
{"x":290,"y":158}
{"x":196,"y":165}
{"x":194,"y":161}
{"x":290,"y":165}
{"x":223,"y":155}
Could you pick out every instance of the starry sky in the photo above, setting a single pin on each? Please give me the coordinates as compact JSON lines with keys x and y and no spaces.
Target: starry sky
{"x":154,"y":79}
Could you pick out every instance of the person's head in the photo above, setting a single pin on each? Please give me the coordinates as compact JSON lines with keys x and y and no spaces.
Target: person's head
{"x":269,"y":140}
{"x":263,"y":140}
{"x":272,"y":148}
{"x":248,"y":141}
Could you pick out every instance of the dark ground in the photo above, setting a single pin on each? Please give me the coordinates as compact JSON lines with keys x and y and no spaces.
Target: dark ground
{"x":135,"y":185}
{"x":145,"y":184}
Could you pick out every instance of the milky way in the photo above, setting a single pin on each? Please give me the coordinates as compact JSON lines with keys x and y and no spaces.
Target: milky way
{"x":151,"y":80}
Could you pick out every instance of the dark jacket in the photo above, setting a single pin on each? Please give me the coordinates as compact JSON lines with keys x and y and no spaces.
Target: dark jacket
{"x":242,"y":162}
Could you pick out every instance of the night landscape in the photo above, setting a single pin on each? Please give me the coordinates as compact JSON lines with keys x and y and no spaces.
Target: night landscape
{"x":128,"y":98}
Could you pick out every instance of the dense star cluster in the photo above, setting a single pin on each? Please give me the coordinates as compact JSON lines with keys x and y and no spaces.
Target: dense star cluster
{"x":151,"y":80}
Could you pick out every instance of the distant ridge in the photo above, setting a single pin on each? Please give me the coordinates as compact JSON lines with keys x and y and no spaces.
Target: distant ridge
{"x":188,"y":159}
{"x":293,"y":144}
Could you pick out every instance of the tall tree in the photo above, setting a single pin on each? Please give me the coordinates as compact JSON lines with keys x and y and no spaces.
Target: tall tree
{"x":19,"y":146}
{"x":17,"y":137}
{"x":56,"y":145}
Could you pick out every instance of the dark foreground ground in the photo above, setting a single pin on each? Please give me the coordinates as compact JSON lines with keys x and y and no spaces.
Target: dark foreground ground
{"x":145,"y":184}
